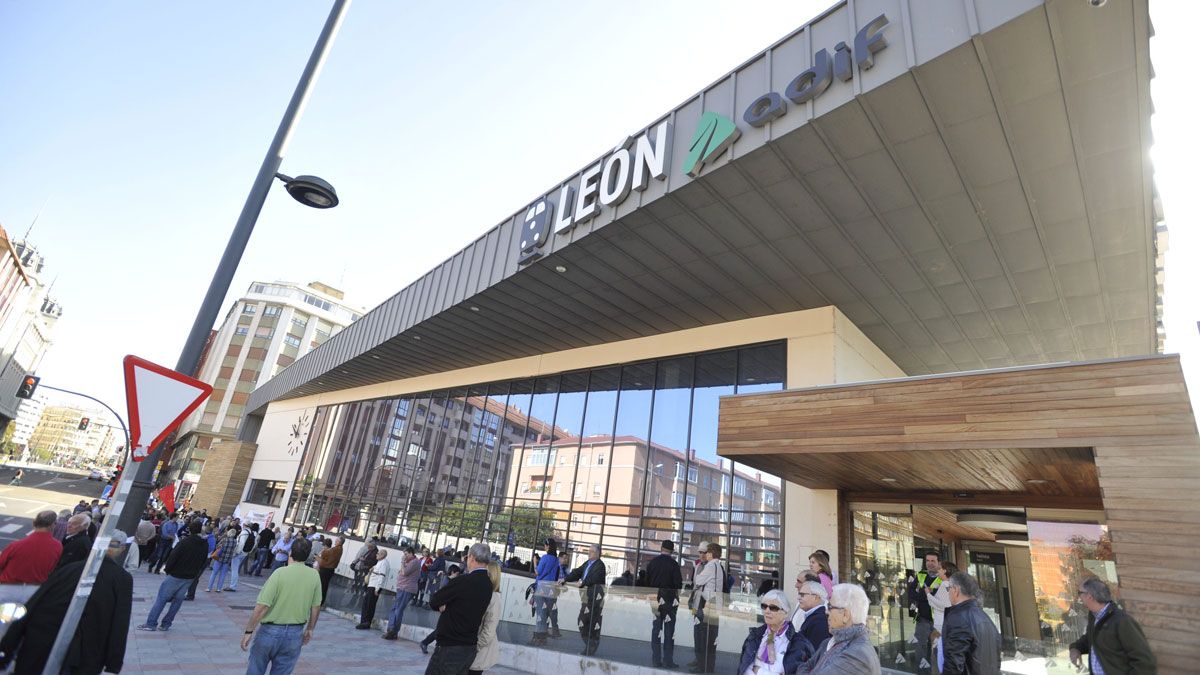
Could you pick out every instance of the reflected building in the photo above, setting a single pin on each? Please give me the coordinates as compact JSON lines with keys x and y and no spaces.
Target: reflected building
{"x":504,"y":462}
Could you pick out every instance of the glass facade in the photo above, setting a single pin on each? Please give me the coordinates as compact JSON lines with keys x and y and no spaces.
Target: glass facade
{"x":622,"y":456}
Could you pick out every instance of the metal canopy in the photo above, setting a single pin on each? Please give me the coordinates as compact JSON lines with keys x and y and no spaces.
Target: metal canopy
{"x":991,"y":206}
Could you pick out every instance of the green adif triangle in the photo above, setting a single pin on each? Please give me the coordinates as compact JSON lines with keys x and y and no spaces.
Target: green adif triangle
{"x":714,"y":134}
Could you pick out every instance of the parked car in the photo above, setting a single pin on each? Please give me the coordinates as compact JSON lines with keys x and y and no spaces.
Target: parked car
{"x":97,"y":474}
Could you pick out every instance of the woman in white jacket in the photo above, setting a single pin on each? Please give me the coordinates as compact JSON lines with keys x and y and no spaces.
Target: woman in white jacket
{"x":939,"y":600}
{"x":487,"y":649}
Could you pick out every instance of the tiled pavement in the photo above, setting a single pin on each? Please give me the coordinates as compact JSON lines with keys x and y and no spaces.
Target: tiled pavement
{"x":207,"y":633}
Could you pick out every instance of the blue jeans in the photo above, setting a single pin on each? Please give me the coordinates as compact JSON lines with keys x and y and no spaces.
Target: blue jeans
{"x":277,"y":647}
{"x":260,"y":561}
{"x":172,"y":590}
{"x":234,"y":569}
{"x":217,"y":578}
{"x":542,"y":606}
{"x":398,"y":607}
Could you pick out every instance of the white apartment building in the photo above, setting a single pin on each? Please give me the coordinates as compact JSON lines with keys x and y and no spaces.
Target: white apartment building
{"x":274,"y":324}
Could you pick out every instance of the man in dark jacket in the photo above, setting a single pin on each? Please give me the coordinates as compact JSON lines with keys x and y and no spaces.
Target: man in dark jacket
{"x":77,"y":544}
{"x":811,"y":620}
{"x":970,"y":641}
{"x":664,"y":574}
{"x":590,"y":575}
{"x":461,"y":603}
{"x":184,"y":564}
{"x":1113,"y":637}
{"x":99,"y":642}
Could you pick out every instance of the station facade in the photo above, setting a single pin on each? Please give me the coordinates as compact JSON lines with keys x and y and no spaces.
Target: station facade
{"x":897,"y":189}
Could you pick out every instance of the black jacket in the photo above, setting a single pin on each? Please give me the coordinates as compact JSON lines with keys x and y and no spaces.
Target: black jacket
{"x":593,"y":583}
{"x":816,"y":626}
{"x":917,"y":597}
{"x":466,"y":598}
{"x":1119,"y":643}
{"x":798,"y":649}
{"x":187,"y":559}
{"x":75,"y":549}
{"x":971,"y":641}
{"x":664,"y":574}
{"x":99,"y":642}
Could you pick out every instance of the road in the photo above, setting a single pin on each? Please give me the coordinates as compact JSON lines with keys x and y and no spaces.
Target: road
{"x":42,"y":488}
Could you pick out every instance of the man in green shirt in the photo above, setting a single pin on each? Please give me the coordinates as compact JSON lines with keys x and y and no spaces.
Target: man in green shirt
{"x":287,"y":608}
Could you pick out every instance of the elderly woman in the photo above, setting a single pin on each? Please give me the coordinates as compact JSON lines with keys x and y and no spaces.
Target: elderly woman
{"x":774,"y":648}
{"x":849,"y":649}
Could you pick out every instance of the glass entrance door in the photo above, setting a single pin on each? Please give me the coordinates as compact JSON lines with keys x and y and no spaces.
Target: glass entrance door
{"x":990,"y":570}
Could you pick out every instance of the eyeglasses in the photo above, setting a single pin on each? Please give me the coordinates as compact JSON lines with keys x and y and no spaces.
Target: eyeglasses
{"x":802,"y":593}
{"x":773,"y":608}
{"x":835,"y":607}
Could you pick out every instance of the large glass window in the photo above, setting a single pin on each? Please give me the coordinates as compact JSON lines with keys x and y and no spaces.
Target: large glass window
{"x":622,"y":456}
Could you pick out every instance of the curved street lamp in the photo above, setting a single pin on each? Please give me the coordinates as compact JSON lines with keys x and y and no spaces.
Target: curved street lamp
{"x":310,"y":191}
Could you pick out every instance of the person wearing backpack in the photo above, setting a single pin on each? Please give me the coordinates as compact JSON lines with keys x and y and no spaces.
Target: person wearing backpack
{"x":708,"y":588}
{"x":244,"y":547}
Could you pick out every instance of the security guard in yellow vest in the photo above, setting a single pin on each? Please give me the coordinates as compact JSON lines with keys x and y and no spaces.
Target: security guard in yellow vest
{"x":918,"y":602}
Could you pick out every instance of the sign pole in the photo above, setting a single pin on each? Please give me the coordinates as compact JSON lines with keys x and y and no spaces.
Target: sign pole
{"x":66,"y":630}
{"x":159,"y":399}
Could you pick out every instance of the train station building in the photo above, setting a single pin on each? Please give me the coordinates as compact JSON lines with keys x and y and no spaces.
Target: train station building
{"x":892,"y":285}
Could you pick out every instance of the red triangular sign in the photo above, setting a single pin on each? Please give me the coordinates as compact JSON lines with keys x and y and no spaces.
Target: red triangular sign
{"x":159,"y":399}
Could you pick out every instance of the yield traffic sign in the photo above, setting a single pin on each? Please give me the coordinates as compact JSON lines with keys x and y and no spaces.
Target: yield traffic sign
{"x":159,"y":399}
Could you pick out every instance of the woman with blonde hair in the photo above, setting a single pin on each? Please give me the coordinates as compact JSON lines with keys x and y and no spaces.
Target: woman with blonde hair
{"x":487,"y":649}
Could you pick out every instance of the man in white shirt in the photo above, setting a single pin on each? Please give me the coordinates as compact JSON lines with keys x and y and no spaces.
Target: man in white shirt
{"x":376,"y":579}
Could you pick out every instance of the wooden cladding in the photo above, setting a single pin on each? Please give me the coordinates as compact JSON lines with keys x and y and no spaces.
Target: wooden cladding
{"x":1119,"y":434}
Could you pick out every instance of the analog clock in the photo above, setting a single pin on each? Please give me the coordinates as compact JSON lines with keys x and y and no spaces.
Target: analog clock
{"x":299,"y":434}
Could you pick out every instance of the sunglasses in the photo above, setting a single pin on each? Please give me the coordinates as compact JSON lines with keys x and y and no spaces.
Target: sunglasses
{"x":773,"y":608}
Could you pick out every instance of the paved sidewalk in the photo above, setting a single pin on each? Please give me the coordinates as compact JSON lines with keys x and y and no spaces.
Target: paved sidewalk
{"x":207,"y":634}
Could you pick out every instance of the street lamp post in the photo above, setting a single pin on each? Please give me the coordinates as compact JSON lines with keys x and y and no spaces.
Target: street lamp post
{"x":308,"y":190}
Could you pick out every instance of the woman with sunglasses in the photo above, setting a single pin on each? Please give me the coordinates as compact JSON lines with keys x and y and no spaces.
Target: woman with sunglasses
{"x":848,"y":650}
{"x":774,"y":648}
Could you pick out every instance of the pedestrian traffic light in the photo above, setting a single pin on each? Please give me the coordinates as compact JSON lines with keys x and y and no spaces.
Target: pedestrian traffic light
{"x":83,"y":423}
{"x":28,"y":384}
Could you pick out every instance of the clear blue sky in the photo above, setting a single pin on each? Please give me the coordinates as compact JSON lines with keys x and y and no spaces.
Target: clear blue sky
{"x":140,"y":126}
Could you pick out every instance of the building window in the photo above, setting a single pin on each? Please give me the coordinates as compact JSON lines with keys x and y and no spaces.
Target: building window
{"x":525,"y":488}
{"x":595,"y":522}
{"x":739,"y":487}
{"x":596,"y":490}
{"x":768,"y":497}
{"x":600,"y":459}
{"x":693,"y":474}
{"x":241,"y":330}
{"x":266,"y":492}
{"x":264,"y":332}
{"x":292,"y":340}
{"x":558,"y":487}
{"x":271,"y":310}
{"x":679,"y":470}
{"x":249,"y":309}
{"x":690,"y":504}
{"x":300,"y":322}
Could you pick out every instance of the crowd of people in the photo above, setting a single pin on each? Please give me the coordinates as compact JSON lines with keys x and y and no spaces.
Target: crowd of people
{"x":823,"y":632}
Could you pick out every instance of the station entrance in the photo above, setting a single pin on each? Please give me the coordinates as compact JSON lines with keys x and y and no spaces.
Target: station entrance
{"x":1028,"y":562}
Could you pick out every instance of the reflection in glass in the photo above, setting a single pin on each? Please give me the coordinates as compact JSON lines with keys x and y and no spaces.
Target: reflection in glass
{"x":882,"y":555}
{"x":623,"y":456}
{"x":1063,"y":555}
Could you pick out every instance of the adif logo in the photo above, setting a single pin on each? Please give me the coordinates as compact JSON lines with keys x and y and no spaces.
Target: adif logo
{"x":714,"y":134}
{"x":535,"y":230}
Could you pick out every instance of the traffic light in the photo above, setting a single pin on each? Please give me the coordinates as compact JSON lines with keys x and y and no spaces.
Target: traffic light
{"x":28,"y":384}
{"x":83,"y":423}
